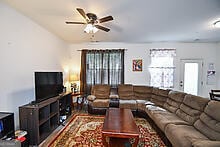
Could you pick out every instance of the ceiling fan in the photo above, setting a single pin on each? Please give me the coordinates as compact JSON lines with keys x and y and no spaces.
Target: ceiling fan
{"x":92,"y":21}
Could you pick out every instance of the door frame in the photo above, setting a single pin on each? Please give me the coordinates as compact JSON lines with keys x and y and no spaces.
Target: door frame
{"x":200,"y":74}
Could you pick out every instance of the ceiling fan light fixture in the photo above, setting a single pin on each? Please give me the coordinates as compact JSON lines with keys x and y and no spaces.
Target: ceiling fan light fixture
{"x":217,"y":24}
{"x":92,"y":22}
{"x":90,"y":29}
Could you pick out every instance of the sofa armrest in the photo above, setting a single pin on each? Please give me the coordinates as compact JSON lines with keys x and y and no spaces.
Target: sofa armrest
{"x":149,"y":103}
{"x":91,"y":97}
{"x":206,"y":143}
{"x":113,"y":96}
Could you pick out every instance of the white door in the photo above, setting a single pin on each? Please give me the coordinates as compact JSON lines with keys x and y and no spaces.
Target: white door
{"x":191,"y":76}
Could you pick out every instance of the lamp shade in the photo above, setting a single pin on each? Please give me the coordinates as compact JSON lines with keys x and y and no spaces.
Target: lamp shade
{"x":74,"y":77}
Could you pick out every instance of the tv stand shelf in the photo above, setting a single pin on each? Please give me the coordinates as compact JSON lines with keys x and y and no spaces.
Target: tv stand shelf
{"x":40,"y":119}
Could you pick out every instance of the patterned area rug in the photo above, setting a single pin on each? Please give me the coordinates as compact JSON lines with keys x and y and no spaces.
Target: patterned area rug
{"x":85,"y":131}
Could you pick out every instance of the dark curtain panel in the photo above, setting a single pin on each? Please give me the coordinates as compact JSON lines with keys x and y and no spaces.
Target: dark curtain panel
{"x":103,"y":67}
{"x":83,"y":72}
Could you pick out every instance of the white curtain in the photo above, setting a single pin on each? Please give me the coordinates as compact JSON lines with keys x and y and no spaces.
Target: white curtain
{"x":162,"y":68}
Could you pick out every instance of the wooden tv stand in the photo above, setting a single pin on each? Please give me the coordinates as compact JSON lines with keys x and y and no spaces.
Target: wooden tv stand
{"x":40,"y":119}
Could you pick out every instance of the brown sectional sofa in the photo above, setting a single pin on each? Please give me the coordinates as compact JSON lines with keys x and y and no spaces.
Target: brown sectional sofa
{"x":182,"y":120}
{"x":99,"y":99}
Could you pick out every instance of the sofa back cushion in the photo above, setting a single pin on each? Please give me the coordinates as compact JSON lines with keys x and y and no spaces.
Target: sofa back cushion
{"x":174,"y":100}
{"x":125,"y":91}
{"x":101,"y":91}
{"x":159,"y":96}
{"x":142,"y":92}
{"x":191,"y":108}
{"x":209,"y":121}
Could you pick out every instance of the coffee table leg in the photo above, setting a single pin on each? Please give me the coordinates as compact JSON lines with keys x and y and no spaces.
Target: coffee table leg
{"x":105,"y":140}
{"x":135,"y":142}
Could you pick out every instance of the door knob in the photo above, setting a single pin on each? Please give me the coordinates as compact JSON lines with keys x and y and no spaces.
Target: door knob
{"x":181,"y":83}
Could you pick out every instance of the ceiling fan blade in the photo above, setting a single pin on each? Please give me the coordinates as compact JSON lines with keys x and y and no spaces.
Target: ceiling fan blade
{"x":104,"y":19}
{"x":71,"y":22}
{"x":82,"y":12}
{"x":102,"y":28}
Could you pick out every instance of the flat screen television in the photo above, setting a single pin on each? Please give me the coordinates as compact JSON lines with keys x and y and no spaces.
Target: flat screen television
{"x":47,"y":85}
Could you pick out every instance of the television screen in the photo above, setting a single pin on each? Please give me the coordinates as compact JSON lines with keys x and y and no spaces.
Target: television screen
{"x":48,"y":84}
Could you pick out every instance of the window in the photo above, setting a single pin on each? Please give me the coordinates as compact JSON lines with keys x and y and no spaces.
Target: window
{"x":103,"y":67}
{"x":162,"y":68}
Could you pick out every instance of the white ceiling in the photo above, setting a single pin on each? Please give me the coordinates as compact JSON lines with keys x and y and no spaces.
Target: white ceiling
{"x":134,"y":21}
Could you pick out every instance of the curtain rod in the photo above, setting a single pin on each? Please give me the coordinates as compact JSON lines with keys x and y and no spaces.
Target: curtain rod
{"x":103,"y":49}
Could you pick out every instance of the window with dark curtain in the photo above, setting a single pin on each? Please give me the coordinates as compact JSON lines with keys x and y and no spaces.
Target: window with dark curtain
{"x":101,"y":67}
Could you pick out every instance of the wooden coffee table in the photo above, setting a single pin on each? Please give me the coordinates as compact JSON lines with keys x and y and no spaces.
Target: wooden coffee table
{"x":119,"y":123}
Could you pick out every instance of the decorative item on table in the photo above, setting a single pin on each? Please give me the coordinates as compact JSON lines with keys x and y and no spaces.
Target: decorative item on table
{"x":20,"y":133}
{"x":74,"y":79}
{"x":63,"y":118}
{"x":137,"y":65}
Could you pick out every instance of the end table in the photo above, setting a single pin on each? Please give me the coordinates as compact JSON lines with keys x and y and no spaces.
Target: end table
{"x":78,"y":99}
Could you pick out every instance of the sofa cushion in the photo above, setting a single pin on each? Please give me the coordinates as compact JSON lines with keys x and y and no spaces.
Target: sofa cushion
{"x":142,"y":92}
{"x":155,"y":108}
{"x":205,"y":143}
{"x":141,"y":104}
{"x":158,"y":100}
{"x":129,"y":104}
{"x":155,"y":90}
{"x":174,"y":100}
{"x":163,"y":92}
{"x":159,"y":96}
{"x":152,"y":109}
{"x":100,"y":103}
{"x":165,"y":118}
{"x":125,"y":91}
{"x":209,"y":121}
{"x":191,"y":108}
{"x":183,"y":135}
{"x":176,"y":96}
{"x":101,"y":91}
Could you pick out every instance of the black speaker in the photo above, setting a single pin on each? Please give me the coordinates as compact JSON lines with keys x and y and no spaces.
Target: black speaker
{"x":7,"y":129}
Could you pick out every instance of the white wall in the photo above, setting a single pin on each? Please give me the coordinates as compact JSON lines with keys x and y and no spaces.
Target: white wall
{"x":205,"y":51}
{"x":25,"y":47}
{"x":218,"y":66}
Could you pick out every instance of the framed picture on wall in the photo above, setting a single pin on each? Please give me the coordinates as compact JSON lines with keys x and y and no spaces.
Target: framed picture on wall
{"x":137,"y":65}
